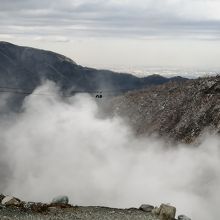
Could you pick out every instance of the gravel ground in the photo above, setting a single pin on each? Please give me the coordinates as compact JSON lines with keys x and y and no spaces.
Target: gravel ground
{"x":75,"y":213}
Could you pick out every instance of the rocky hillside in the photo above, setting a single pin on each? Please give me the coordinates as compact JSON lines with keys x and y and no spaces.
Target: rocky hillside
{"x":178,"y":110}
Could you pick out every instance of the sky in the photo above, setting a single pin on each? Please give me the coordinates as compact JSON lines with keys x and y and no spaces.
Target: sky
{"x":118,"y":33}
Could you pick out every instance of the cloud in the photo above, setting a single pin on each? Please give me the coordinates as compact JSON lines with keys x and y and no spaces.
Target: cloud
{"x":57,"y":146}
{"x":141,"y":18}
{"x":62,"y":39}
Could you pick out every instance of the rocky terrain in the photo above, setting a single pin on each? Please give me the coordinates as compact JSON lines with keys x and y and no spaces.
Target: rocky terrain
{"x":180,"y":111}
{"x":13,"y":208}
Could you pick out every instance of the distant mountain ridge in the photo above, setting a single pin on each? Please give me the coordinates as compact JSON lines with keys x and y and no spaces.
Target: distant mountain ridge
{"x":25,"y":67}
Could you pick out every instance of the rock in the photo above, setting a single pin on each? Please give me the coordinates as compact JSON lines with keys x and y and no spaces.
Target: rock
{"x":156,"y":211}
{"x":146,"y":208}
{"x":1,"y":197}
{"x":28,"y":205}
{"x":60,"y":200}
{"x":52,"y":209}
{"x":8,"y":200}
{"x":183,"y":217}
{"x":167,"y":212}
{"x":39,"y":207}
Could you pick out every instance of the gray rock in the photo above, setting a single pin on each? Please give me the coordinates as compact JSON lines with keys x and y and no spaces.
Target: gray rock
{"x":156,"y":211}
{"x":61,"y":200}
{"x":8,"y":200}
{"x":167,"y":212}
{"x":183,"y":217}
{"x":146,"y":208}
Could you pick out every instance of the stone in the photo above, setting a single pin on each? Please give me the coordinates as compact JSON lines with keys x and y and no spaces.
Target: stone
{"x":60,"y":200}
{"x":28,"y":205}
{"x":39,"y":207}
{"x":146,"y":208}
{"x":8,"y":200}
{"x":1,"y":197}
{"x":156,"y":211}
{"x":52,"y":209}
{"x":167,"y":212}
{"x":183,"y":217}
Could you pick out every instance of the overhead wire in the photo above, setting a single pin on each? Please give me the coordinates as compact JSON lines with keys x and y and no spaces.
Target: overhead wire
{"x":100,"y":93}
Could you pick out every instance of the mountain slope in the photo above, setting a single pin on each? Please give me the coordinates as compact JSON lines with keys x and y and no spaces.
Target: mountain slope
{"x":25,"y":67}
{"x":181,"y":111}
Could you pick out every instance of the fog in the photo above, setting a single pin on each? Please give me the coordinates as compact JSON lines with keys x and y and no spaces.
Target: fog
{"x":58,"y":146}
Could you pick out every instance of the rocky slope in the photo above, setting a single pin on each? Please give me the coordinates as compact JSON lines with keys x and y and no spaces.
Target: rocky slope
{"x":178,"y":110}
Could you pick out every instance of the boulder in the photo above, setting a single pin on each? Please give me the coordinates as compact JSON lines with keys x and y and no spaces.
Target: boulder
{"x":146,"y":208}
{"x":183,"y":217}
{"x":60,"y":200}
{"x":8,"y":200}
{"x":165,"y":212}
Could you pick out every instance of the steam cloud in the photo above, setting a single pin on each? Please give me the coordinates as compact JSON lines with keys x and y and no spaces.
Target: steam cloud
{"x":57,"y":146}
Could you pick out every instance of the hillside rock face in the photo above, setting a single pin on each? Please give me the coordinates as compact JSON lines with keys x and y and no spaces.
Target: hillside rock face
{"x":180,"y":111}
